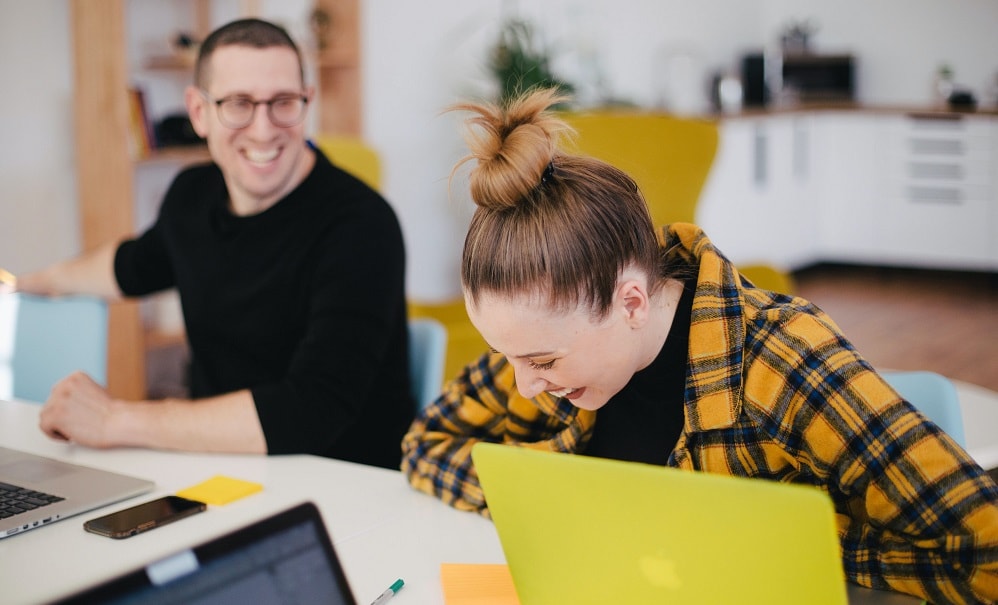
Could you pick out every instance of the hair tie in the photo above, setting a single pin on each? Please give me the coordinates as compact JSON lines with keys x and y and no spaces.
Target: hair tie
{"x":548,"y":172}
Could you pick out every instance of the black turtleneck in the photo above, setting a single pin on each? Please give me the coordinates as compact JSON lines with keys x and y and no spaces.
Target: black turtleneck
{"x":643,"y":421}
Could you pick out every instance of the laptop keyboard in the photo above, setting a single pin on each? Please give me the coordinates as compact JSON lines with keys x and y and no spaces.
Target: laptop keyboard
{"x":15,"y":500}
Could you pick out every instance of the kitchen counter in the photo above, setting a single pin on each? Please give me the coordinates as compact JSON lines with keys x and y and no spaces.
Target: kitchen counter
{"x":852,"y":106}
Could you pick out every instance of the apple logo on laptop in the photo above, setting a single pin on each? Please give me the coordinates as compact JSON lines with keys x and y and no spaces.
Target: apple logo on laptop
{"x":660,"y":570}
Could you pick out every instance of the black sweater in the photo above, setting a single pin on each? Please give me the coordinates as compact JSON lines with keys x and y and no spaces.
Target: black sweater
{"x":303,"y":304}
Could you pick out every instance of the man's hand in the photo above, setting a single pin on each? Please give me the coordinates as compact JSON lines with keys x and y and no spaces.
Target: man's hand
{"x":79,"y":410}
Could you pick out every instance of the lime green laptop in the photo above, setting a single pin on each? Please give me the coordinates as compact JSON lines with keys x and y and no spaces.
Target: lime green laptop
{"x":578,"y":529}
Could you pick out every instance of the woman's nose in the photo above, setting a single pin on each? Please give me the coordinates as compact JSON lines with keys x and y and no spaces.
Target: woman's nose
{"x":529,"y":381}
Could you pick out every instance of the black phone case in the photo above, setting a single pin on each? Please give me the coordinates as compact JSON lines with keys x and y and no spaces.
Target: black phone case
{"x":103,"y":527}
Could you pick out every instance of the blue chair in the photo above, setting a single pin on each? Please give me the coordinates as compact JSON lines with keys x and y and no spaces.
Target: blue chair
{"x":934,"y":395}
{"x":50,"y":338}
{"x":427,"y":353}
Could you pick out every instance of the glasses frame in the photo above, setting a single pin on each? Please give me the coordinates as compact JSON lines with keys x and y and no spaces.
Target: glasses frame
{"x":304,"y":98}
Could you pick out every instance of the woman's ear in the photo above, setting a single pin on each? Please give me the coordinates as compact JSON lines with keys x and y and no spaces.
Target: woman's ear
{"x":632,"y":300}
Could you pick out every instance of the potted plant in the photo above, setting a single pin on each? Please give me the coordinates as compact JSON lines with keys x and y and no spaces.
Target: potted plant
{"x":518,"y":64}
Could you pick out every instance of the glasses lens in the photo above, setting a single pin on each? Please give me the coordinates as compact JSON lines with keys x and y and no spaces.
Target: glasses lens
{"x":286,"y":111}
{"x":236,"y":112}
{"x":283,"y":111}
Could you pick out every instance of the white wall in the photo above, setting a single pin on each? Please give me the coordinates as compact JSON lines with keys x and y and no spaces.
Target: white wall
{"x":420,"y":57}
{"x":38,"y":217}
{"x":900,"y":43}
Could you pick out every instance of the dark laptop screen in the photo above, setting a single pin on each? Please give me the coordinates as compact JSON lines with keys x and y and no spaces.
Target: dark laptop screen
{"x":287,"y":558}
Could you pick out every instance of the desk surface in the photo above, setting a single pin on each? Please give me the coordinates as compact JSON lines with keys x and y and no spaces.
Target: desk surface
{"x":381,"y":528}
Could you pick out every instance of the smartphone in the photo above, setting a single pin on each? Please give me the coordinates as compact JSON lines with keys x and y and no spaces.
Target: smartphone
{"x":143,"y":517}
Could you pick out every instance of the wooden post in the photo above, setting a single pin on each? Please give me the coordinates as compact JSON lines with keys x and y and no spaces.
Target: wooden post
{"x":104,"y":168}
{"x":338,"y":67}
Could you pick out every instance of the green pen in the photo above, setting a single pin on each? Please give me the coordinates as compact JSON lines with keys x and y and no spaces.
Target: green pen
{"x":394,"y":588}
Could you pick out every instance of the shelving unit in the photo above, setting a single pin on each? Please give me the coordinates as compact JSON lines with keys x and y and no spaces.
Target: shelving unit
{"x":106,"y":179}
{"x":338,"y":70}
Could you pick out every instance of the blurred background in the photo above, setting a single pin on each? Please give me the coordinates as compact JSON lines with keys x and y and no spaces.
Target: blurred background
{"x":837,"y":88}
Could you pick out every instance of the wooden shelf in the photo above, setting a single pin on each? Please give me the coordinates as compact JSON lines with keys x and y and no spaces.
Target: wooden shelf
{"x":161,"y":339}
{"x":178,"y":62}
{"x":339,"y":70}
{"x":191,"y":154}
{"x":336,"y":57}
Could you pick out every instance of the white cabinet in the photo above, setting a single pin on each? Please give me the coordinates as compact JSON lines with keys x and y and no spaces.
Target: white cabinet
{"x":755,"y":206}
{"x":852,"y":186}
{"x":790,"y":227}
{"x":848,"y":188}
{"x":993,"y":215}
{"x":733,"y":189}
{"x":940,"y":191}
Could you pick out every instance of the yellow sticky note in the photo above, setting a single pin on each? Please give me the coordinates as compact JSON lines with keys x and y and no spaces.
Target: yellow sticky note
{"x":220,"y":490}
{"x":477,"y":584}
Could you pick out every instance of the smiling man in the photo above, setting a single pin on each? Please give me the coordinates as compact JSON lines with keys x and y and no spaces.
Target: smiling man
{"x":291,"y":276}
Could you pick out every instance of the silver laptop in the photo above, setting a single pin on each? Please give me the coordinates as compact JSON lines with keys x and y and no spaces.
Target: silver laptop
{"x":284,"y":559}
{"x":36,"y":491}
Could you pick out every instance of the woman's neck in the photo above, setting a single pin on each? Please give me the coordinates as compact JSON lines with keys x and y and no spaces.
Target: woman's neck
{"x":664,"y":304}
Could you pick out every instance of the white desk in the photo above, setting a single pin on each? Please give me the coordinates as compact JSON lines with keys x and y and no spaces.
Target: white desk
{"x":979,"y":407}
{"x":381,"y":528}
{"x":356,"y":502}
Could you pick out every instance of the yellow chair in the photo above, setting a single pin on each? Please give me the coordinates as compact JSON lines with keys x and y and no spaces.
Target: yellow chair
{"x":669,"y":157}
{"x":768,"y":277}
{"x":352,"y":155}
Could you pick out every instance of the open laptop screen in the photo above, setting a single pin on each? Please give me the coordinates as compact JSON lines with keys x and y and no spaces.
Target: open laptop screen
{"x":286,"y":558}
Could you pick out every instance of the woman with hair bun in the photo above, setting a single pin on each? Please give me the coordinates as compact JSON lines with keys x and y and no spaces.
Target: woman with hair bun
{"x":615,"y":340}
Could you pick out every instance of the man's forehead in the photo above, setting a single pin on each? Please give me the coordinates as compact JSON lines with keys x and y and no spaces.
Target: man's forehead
{"x":236,"y":65}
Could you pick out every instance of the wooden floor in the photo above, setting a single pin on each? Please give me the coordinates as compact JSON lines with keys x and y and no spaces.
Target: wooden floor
{"x":907,"y":319}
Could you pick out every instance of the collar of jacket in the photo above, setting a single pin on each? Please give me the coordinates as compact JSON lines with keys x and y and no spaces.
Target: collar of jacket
{"x":717,"y":332}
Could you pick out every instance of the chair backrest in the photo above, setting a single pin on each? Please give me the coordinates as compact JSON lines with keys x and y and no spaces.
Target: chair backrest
{"x":427,"y":352}
{"x":353,"y":155}
{"x":668,"y":156}
{"x":770,"y":278}
{"x":934,"y":395}
{"x":464,"y":344}
{"x":42,"y":340}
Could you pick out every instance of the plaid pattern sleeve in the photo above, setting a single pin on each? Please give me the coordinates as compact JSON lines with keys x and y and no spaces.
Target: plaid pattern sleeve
{"x":775,"y":391}
{"x":482,"y":404}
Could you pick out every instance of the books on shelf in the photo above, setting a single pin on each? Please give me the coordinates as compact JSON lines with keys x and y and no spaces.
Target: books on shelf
{"x":141,"y":139}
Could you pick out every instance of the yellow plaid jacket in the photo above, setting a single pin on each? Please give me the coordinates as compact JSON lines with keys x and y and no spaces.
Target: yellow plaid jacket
{"x":775,"y":391}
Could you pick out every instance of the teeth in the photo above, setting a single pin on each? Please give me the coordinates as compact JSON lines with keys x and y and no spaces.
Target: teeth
{"x":261,"y":156}
{"x":563,"y":392}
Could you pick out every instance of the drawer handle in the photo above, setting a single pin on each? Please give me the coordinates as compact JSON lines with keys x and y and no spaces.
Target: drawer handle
{"x":936,"y":147}
{"x":929,"y":170}
{"x":935,"y":117}
{"x":935,"y":195}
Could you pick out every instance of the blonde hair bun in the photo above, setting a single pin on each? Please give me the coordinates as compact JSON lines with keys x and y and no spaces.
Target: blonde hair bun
{"x":512,"y":145}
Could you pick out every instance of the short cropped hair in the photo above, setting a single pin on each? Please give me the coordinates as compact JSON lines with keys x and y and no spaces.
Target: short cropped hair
{"x":255,"y":33}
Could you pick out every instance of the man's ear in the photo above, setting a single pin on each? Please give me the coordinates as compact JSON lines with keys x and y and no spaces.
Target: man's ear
{"x":197,"y":109}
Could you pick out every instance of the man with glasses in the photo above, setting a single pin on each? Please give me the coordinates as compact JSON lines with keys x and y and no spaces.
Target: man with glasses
{"x":290,"y":272}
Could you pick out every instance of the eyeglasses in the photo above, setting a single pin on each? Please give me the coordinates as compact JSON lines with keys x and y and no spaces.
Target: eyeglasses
{"x":237,"y":111}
